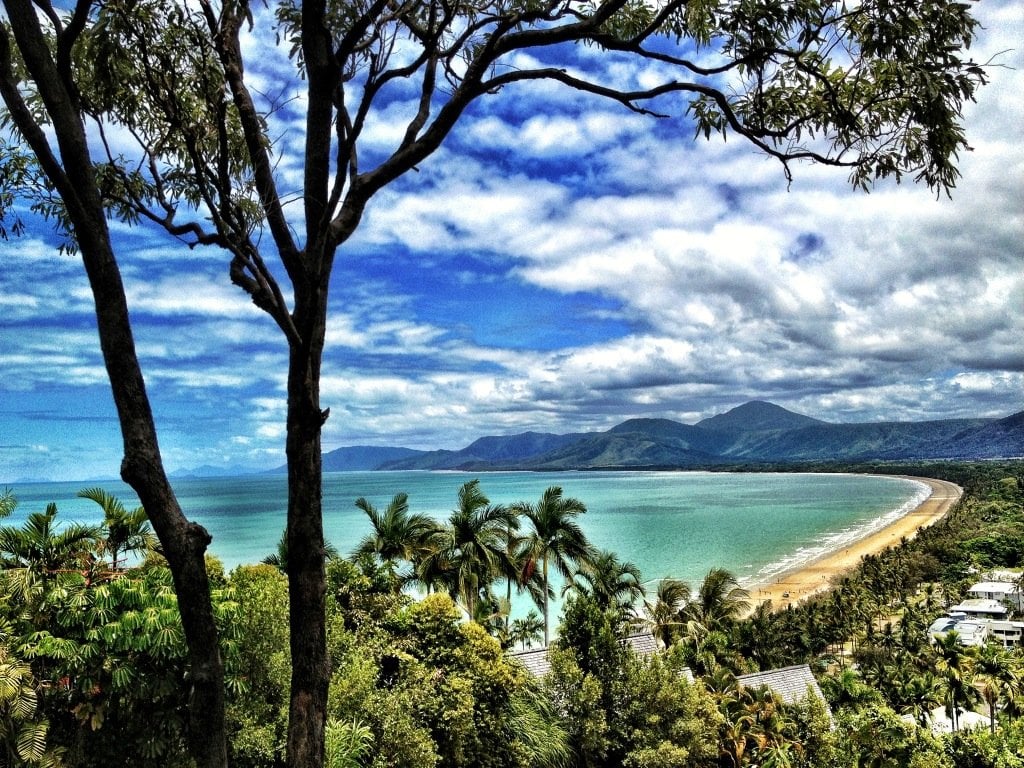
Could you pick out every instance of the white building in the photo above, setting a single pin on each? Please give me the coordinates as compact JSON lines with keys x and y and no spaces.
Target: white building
{"x":970,"y":632}
{"x":939,"y":722}
{"x":1000,"y":591}
{"x":978,"y":631}
{"x":1008,"y":633}
{"x":973,"y":633}
{"x":981,"y":608}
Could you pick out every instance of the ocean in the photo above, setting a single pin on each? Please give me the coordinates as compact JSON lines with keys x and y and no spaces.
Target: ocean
{"x":670,"y":524}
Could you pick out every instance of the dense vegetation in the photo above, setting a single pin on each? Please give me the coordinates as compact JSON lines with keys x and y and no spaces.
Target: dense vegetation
{"x":93,"y":666}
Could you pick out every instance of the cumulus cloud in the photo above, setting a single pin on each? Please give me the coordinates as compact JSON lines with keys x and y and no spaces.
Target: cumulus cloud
{"x":562,"y":264}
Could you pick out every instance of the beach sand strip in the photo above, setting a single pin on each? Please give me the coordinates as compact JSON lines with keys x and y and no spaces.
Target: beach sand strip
{"x":818,"y":576}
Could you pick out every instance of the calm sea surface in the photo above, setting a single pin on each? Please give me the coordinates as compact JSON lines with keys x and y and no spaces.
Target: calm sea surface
{"x":677,"y":524}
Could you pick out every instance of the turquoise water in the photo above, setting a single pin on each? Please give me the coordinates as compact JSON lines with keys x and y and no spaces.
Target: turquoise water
{"x":677,"y":524}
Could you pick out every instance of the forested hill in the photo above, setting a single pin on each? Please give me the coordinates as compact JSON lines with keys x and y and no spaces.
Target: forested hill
{"x":753,"y":433}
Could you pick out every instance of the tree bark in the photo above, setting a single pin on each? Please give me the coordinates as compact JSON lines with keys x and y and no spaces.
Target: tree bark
{"x":306,"y":571}
{"x":184,"y":542}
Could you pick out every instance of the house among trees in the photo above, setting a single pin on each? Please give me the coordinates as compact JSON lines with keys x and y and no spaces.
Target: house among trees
{"x":940,"y":722}
{"x":987,"y":614}
{"x":538,"y":664}
{"x":980,"y":608}
{"x":968,"y":632}
{"x":1007,"y":593}
{"x":791,"y":684}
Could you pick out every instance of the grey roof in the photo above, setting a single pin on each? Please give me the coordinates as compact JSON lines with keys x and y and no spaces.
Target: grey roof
{"x":537,"y":663}
{"x":790,"y":683}
{"x":535,"y":660}
{"x":644,"y":644}
{"x":995,"y":586}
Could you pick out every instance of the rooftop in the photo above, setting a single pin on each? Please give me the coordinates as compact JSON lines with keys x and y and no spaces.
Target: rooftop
{"x":980,"y":605}
{"x":1000,"y":587}
{"x":790,"y":683}
{"x":537,"y":663}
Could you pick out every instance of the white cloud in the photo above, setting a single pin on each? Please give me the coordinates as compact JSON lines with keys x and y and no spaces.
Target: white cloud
{"x":717,"y":280}
{"x":188,"y":295}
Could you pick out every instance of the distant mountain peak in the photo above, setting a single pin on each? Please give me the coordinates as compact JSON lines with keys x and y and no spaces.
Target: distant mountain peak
{"x":643,"y":423}
{"x":756,"y":432}
{"x":758,"y":416}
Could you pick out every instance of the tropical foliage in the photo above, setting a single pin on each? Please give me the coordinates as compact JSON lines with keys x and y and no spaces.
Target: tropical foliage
{"x":555,"y":540}
{"x":92,"y":657}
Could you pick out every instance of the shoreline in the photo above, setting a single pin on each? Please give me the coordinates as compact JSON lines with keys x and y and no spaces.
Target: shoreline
{"x":806,"y":580}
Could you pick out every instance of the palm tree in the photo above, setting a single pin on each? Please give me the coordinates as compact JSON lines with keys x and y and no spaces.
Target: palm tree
{"x":848,"y":691}
{"x":7,"y":503}
{"x":126,"y":531}
{"x":492,"y":613}
{"x":433,"y":570}
{"x":921,"y":694}
{"x":719,"y":602}
{"x":774,"y":734}
{"x":930,"y":599}
{"x":554,"y":538}
{"x":997,"y":678}
{"x":40,"y":550}
{"x":527,"y":630}
{"x":279,"y":558}
{"x":540,"y":732}
{"x":471,"y":547}
{"x":664,"y":615}
{"x":734,"y":730}
{"x":519,"y":570}
{"x":754,"y":724}
{"x":956,"y":668}
{"x":887,"y":640}
{"x":397,"y":535}
{"x":772,"y":639}
{"x":613,"y":583}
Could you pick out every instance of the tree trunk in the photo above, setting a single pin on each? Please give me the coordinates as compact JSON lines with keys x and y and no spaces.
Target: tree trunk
{"x":306,"y":572}
{"x":546,"y":641}
{"x":184,"y":542}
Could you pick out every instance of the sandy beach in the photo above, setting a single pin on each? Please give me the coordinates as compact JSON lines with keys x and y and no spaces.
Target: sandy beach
{"x":815,"y":577}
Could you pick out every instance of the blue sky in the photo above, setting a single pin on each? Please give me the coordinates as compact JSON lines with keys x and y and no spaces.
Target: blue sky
{"x":560,"y":265}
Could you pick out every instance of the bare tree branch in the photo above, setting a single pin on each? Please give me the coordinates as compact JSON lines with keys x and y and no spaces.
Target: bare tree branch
{"x":226,"y":36}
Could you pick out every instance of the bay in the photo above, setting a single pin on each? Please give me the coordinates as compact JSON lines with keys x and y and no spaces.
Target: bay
{"x":670,"y":524}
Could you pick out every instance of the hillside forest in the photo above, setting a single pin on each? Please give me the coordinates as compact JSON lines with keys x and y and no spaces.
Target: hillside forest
{"x":93,"y":664}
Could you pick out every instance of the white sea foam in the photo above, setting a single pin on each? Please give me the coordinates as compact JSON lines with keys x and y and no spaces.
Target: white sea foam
{"x":837,"y":540}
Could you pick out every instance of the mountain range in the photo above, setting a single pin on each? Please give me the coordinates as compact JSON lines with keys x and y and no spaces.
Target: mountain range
{"x":754,"y":433}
